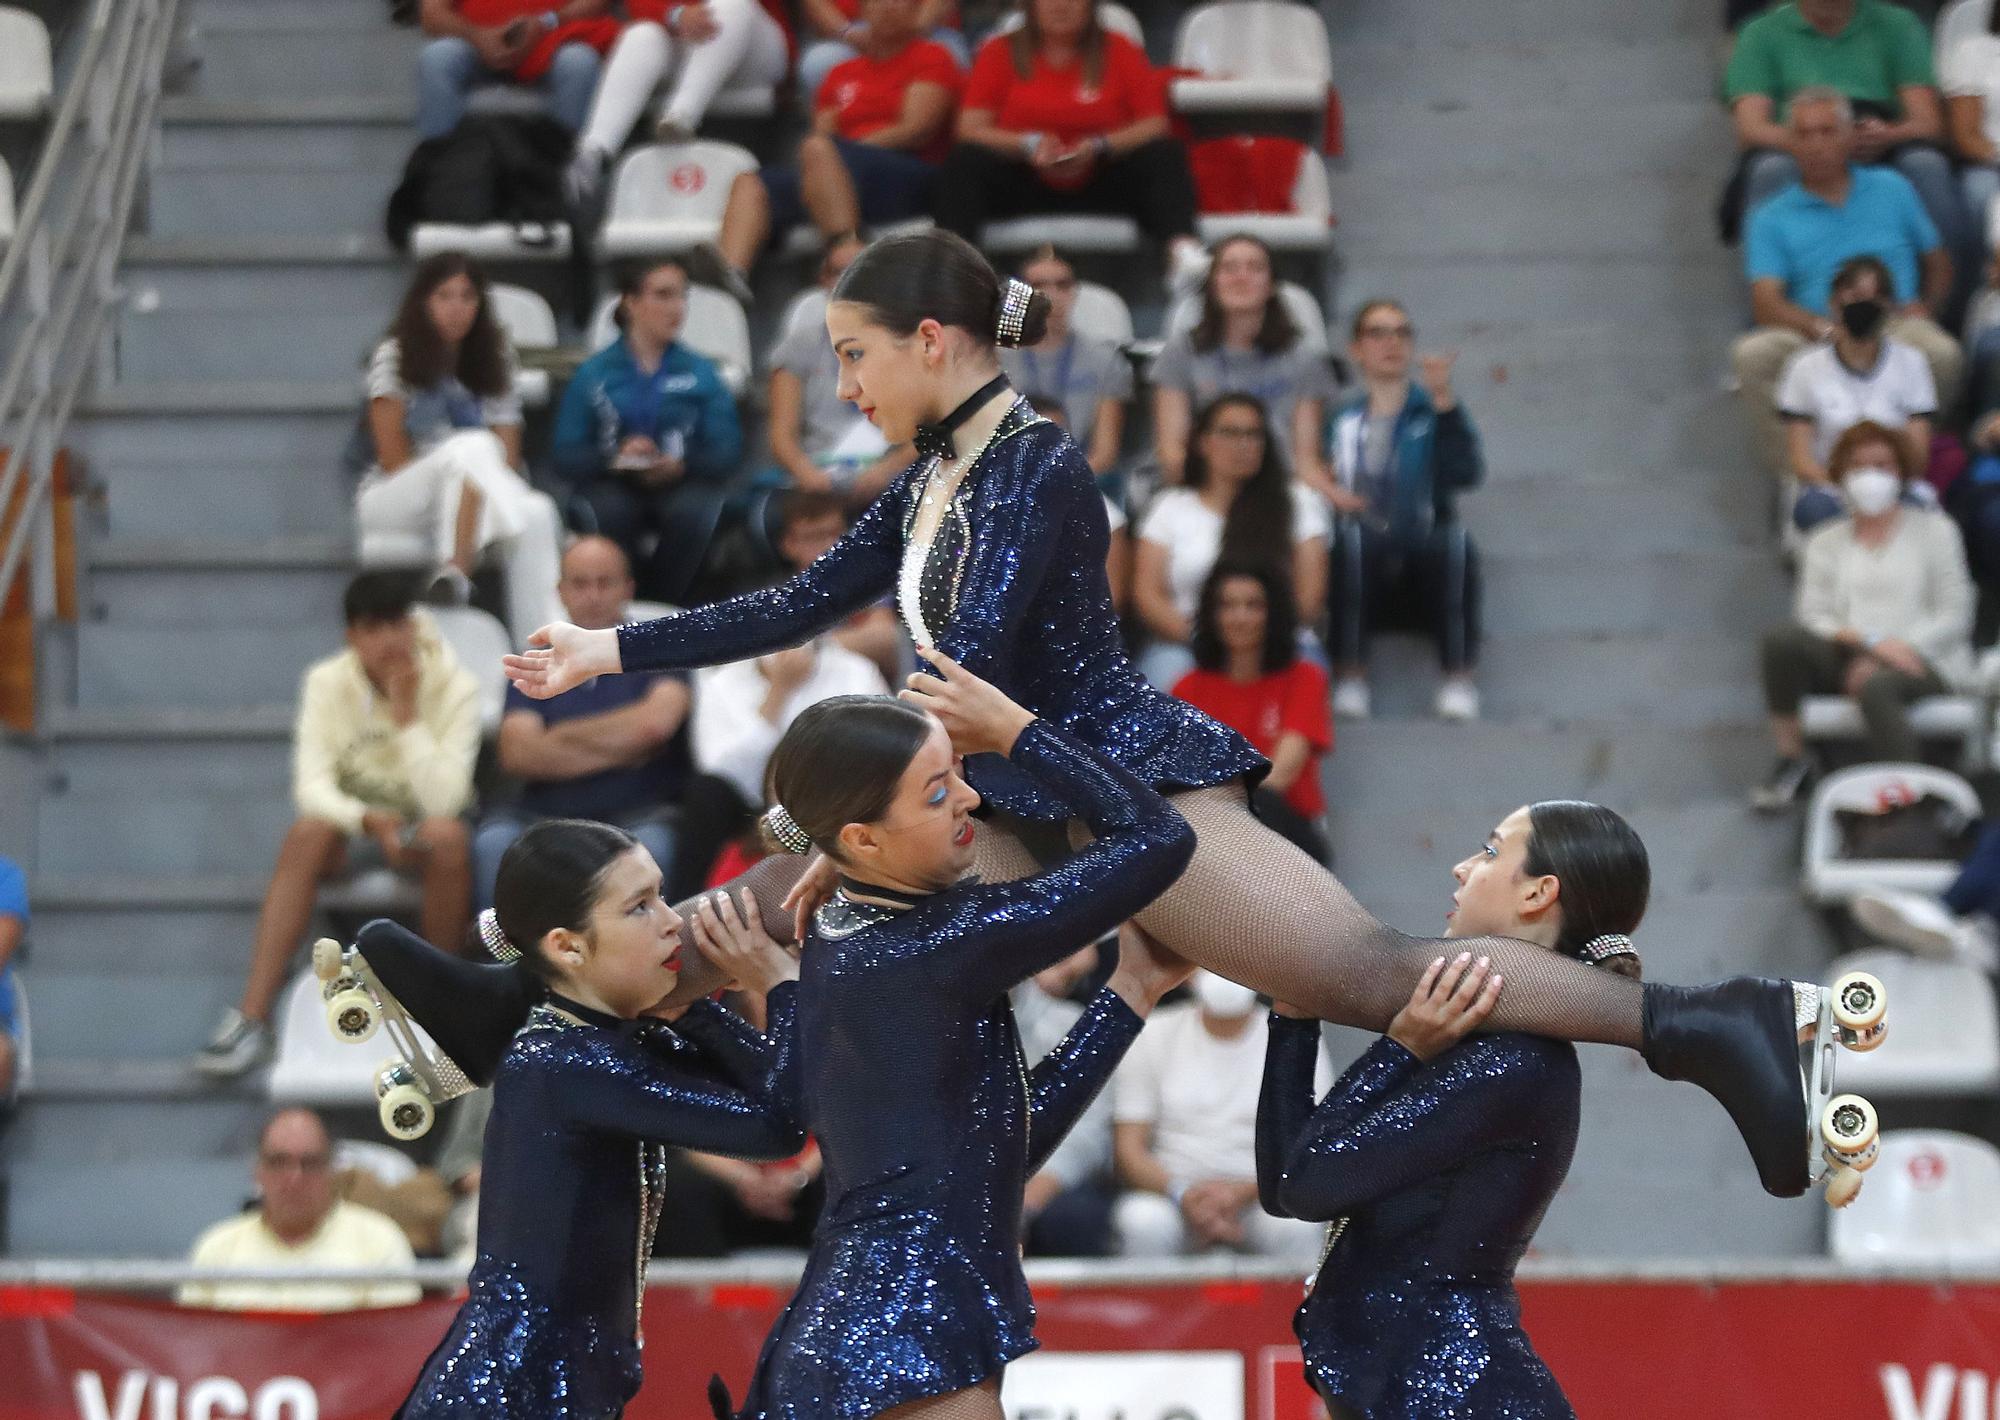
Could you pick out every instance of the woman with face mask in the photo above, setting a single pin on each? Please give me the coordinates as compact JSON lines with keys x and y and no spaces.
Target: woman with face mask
{"x":1859,"y":373}
{"x":1883,"y":613}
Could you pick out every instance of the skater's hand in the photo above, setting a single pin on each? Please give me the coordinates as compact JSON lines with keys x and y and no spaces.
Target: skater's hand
{"x":979,"y":717}
{"x":561,"y":657}
{"x":1146,"y":970}
{"x":735,"y":941}
{"x":1451,"y":1002}
{"x":810,"y":893}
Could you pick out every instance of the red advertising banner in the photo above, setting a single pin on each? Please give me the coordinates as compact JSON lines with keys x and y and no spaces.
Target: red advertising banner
{"x":1216,"y":1350}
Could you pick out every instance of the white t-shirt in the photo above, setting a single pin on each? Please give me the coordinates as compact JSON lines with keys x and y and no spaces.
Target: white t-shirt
{"x":1113,"y":514}
{"x":1818,"y":386}
{"x":1199,"y":1092}
{"x":352,"y":1239}
{"x":1972,"y":70}
{"x":1191,"y":532}
{"x":730,"y":736}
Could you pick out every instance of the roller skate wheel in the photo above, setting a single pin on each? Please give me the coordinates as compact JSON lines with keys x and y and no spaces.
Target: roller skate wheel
{"x":1858,"y":1001}
{"x":352,"y":1016}
{"x":406,"y":1112}
{"x":1860,"y":1160}
{"x":1865,"y":1040}
{"x":327,"y":964}
{"x":1847,"y":1124}
{"x":1843,"y":1186}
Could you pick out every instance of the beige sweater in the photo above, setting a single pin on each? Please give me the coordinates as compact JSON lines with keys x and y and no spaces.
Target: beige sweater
{"x":348,"y":756}
{"x":1914,"y":588}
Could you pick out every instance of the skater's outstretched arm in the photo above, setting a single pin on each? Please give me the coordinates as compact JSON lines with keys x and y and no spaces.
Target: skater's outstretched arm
{"x":1285,"y":1104}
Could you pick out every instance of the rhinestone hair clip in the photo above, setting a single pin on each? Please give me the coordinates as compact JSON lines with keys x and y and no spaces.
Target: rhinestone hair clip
{"x":495,"y":939}
{"x":1014,"y":298}
{"x":785,"y":829}
{"x":1610,"y":944}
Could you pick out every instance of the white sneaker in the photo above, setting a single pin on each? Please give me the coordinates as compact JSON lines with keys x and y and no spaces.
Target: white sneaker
{"x":1187,"y":268}
{"x":238,"y":1046}
{"x":1457,"y":700}
{"x":1352,"y":699}
{"x":1921,"y":925}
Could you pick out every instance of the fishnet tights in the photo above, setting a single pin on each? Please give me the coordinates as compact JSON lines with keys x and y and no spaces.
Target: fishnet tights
{"x":1253,"y":908}
{"x":979,"y":1402}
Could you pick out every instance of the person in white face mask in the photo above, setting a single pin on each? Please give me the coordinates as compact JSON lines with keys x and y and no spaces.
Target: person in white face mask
{"x":1883,"y":614}
{"x":1184,"y":1102}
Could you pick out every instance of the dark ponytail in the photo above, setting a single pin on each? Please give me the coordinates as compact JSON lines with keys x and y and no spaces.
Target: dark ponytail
{"x":840,"y":761}
{"x":1602,"y":867}
{"x":549,"y":878}
{"x":913,"y":277}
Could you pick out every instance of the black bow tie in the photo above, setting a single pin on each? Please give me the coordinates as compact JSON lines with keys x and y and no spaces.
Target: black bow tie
{"x":934,"y":441}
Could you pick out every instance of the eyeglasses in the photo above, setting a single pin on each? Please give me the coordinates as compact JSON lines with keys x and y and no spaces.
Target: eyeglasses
{"x":304,"y":1163}
{"x":1388,"y":332}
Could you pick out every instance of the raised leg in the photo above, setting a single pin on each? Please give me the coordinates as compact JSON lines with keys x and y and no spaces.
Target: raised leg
{"x":311,"y":849}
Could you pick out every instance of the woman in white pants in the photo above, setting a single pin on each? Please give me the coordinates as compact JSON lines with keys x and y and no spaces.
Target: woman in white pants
{"x":707,"y":47}
{"x":443,"y":488}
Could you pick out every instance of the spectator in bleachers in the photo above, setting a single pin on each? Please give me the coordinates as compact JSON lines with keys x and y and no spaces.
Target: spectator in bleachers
{"x":1961,"y":924}
{"x":1800,"y":238}
{"x":1066,"y":1206}
{"x":300,"y":1225}
{"x":1245,"y":342}
{"x":1184,"y":1102}
{"x":1118,"y":556}
{"x":1063,"y":116}
{"x":1971,"y":74}
{"x":1402,"y":452}
{"x":1249,"y":675}
{"x":648,"y":433}
{"x":440,"y":452}
{"x":740,"y":713}
{"x":555,"y":47}
{"x":706,"y":47}
{"x":881,"y":123}
{"x":13,"y":931}
{"x":809,"y":524}
{"x":1878,"y":57}
{"x":613,"y":749}
{"x":1859,"y":373}
{"x":842,"y":30}
{"x":382,"y":760}
{"x":1238,"y":503}
{"x":1883,"y":613}
{"x":1088,"y":376}
{"x":458,"y":1164}
{"x":724,"y":1205}
{"x":821,"y":442}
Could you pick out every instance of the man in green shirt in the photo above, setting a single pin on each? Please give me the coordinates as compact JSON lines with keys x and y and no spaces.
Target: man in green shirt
{"x":1876,"y":53}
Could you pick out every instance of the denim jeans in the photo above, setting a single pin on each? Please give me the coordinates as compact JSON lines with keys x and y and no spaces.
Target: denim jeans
{"x":1980,"y":184}
{"x":1977,"y":886}
{"x":448,"y":69}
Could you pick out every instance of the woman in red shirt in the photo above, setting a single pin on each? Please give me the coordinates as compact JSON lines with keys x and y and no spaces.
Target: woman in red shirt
{"x":881,"y":122}
{"x":1249,"y":676}
{"x":836,"y":28}
{"x":1061,"y":116}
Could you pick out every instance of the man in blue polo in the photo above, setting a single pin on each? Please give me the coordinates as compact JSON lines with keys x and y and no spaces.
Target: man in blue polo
{"x":1797,"y":240}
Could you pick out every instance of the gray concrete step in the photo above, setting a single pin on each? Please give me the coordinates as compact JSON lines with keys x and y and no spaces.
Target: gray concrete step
{"x":297,"y":426}
{"x":104,"y":942}
{"x":1660,"y":593}
{"x":1637,"y":296}
{"x":1449,"y":138}
{"x":311,"y":56}
{"x":273,"y":198}
{"x":134,"y":1012}
{"x":1551,"y":514}
{"x":294,"y":583}
{"x":1570,"y":70}
{"x":323,"y":134}
{"x":205,"y":830}
{"x":1547,"y":29}
{"x":178,"y":667}
{"x":225,"y":753}
{"x":253,"y":499}
{"x":1383,"y":210}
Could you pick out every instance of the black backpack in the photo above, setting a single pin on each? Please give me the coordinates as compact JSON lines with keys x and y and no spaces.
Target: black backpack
{"x":491,"y":168}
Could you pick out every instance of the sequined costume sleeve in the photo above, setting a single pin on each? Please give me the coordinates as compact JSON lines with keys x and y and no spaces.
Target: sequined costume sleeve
{"x":1291,"y":1054}
{"x":857,"y":570}
{"x":763,"y":1065}
{"x":1017,"y":928}
{"x":1392,"y":1121}
{"x":1065,"y":1081}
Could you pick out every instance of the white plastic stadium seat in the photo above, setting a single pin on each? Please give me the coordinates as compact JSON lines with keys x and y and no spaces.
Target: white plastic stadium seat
{"x":1253,"y":55}
{"x":1114,"y":235}
{"x":1944,"y":1036}
{"x":479,"y":641}
{"x":6,"y":204}
{"x":491,"y":241}
{"x":530,"y":325}
{"x":1115,"y":18}
{"x":669,"y":197}
{"x":1941,"y":717}
{"x":1829,"y":878}
{"x":1101,"y":312}
{"x":1932,"y":1199}
{"x":716,"y":327}
{"x":27,"y":78}
{"x":311,"y":1066}
{"x":1959,"y":20}
{"x":1299,"y":302}
{"x":1307,"y":227}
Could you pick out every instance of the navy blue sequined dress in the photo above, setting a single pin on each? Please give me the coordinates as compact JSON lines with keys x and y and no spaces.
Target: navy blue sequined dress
{"x":1013,"y":590}
{"x":928,"y":1118}
{"x":1434,"y":1176}
{"x":571,"y":1184}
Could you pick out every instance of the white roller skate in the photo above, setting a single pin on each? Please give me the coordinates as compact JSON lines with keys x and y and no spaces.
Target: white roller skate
{"x":1841,"y":1129}
{"x":409,"y":1089}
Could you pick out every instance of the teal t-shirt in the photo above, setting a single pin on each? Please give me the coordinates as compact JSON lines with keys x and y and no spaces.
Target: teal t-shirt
{"x":1883,"y":49}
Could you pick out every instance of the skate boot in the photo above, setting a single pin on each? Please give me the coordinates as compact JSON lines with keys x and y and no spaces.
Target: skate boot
{"x":1764,"y":1049}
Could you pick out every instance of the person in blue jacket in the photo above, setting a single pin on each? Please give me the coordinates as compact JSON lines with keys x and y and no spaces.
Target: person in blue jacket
{"x":1402,"y":450}
{"x":648,"y":433}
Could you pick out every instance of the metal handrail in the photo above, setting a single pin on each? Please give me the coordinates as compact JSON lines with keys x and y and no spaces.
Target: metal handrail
{"x":58,"y":275}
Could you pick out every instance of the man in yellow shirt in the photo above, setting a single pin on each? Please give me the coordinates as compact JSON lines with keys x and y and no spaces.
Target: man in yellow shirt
{"x":299,"y":1225}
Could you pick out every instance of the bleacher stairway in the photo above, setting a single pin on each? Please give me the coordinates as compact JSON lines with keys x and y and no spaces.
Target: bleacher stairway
{"x":1533,"y":179}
